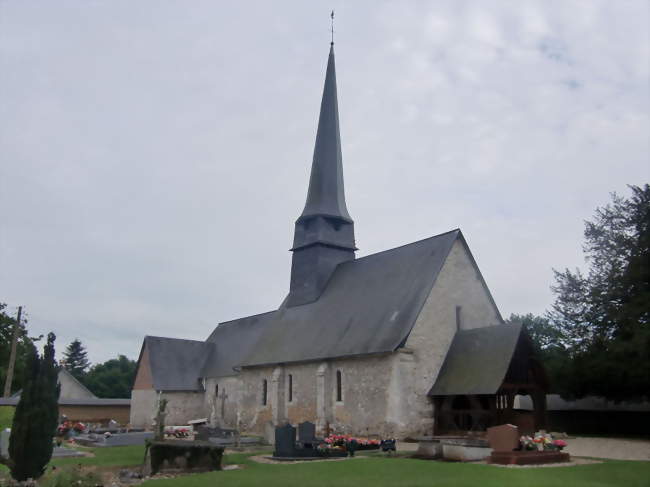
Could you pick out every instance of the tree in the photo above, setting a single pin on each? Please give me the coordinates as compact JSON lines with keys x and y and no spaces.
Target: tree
{"x":550,"y":344}
{"x":23,"y":350}
{"x":114,"y":378}
{"x":35,"y":420}
{"x":75,"y":359}
{"x":603,"y":317}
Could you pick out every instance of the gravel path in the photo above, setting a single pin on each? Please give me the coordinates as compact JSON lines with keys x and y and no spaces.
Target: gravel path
{"x":613,"y":448}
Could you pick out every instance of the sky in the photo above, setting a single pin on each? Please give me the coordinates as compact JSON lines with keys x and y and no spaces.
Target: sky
{"x":154,"y":155}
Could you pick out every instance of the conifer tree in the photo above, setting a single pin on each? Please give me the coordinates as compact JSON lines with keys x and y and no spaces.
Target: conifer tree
{"x":75,"y":359}
{"x":603,"y":316}
{"x":36,"y":416}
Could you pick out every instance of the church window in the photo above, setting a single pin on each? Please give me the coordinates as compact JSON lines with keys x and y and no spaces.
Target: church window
{"x":264,"y":392}
{"x":290,"y":387}
{"x":339,"y":389}
{"x":216,"y":390}
{"x":458,"y":317}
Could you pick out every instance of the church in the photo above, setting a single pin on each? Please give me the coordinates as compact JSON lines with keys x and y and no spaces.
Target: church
{"x":404,"y":342}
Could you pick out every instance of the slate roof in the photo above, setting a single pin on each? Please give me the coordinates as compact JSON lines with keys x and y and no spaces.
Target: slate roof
{"x":477,"y":361}
{"x":176,"y":364}
{"x":232,"y":341}
{"x":369,"y":306}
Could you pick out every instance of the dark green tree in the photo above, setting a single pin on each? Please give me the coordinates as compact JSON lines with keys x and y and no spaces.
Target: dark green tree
{"x":24,"y":348}
{"x":114,"y":378}
{"x":35,"y":420}
{"x":551,"y":347}
{"x":603,"y":316}
{"x":75,"y":359}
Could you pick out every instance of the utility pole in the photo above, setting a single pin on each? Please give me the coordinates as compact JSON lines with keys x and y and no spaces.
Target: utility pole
{"x":12,"y":356}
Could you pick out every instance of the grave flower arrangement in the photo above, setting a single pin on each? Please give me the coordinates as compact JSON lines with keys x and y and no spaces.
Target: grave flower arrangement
{"x":177,"y":432}
{"x":527,"y":443}
{"x":68,"y":428}
{"x":350,"y":443}
{"x":541,"y":442}
{"x":559,"y":444}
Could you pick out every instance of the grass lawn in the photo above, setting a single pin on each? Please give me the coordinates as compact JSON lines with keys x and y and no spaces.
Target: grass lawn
{"x":376,"y":471}
{"x":6,"y":416}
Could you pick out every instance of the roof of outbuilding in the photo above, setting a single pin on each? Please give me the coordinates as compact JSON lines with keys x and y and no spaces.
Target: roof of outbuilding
{"x":369,"y":306}
{"x":88,"y":401}
{"x":477,"y":361}
{"x":175,"y":363}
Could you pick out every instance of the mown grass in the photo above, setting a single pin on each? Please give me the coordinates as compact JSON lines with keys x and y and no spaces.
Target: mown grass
{"x":6,"y":416}
{"x":376,"y":470}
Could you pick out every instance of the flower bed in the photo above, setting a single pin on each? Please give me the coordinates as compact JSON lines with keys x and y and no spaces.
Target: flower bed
{"x":348,"y":441}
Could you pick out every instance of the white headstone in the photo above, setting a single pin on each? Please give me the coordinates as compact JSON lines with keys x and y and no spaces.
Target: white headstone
{"x":4,"y":442}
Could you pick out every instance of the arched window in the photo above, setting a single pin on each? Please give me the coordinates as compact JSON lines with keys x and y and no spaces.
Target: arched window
{"x":339,"y":389}
{"x":290,"y":388}
{"x":264,"y":392}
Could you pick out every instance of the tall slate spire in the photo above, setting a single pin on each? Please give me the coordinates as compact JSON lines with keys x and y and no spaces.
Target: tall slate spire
{"x":324,"y":234}
{"x":326,"y":195}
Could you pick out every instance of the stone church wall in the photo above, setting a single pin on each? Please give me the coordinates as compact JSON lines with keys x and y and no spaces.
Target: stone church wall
{"x":143,"y":405}
{"x":222,"y":396}
{"x":362,"y":409}
{"x":183,"y":407}
{"x":416,"y":367}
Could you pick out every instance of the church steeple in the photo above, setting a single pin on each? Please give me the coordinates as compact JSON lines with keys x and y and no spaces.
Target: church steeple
{"x":324,"y":235}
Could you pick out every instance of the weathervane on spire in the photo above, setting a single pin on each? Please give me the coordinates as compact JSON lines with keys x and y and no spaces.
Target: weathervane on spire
{"x":332,"y":28}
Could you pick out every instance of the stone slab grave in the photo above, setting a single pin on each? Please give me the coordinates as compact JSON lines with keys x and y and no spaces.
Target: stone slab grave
{"x":286,"y":447}
{"x":504,"y":437}
{"x":465,"y":449}
{"x":429,"y":448}
{"x":62,"y":452}
{"x":204,"y":433}
{"x":528,"y":457}
{"x":182,"y":456}
{"x":118,"y":439}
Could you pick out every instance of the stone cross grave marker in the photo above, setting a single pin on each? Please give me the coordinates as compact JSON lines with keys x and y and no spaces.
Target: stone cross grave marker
{"x":504,"y":437}
{"x":285,"y":441}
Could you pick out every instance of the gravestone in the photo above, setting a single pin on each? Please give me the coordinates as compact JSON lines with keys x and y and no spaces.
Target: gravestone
{"x":504,"y":437}
{"x":4,"y":442}
{"x":306,"y":433}
{"x":285,"y":441}
{"x":206,"y":432}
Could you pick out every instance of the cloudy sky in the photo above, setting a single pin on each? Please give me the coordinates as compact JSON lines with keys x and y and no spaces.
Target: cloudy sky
{"x":155,"y":154}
